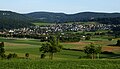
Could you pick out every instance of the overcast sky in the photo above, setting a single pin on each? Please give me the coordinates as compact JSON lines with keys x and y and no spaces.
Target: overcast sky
{"x":64,"y":6}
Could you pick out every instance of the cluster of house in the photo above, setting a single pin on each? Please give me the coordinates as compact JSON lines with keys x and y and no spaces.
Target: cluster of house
{"x":47,"y":29}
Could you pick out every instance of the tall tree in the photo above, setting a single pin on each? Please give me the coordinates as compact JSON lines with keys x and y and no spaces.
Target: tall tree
{"x":2,"y":51}
{"x":51,"y":47}
{"x":118,"y":43}
{"x":92,"y":50}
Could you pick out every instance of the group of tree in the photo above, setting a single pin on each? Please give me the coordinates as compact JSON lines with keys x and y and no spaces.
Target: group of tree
{"x":118,"y":43}
{"x":8,"y":23}
{"x":116,"y":31}
{"x":106,"y":18}
{"x":2,"y":50}
{"x":93,"y":50}
{"x":12,"y":20}
{"x":51,"y":47}
{"x":10,"y":55}
{"x":87,"y":37}
{"x":3,"y":55}
{"x":109,"y":20}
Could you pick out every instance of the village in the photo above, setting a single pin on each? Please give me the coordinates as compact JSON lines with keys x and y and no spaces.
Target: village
{"x":52,"y":29}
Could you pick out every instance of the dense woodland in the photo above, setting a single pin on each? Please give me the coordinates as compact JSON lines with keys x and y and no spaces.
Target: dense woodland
{"x":11,"y":20}
{"x":115,"y":20}
{"x":79,"y":17}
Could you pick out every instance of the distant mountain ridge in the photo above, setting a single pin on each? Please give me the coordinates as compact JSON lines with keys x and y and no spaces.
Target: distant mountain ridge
{"x":61,"y":17}
{"x":10,"y":20}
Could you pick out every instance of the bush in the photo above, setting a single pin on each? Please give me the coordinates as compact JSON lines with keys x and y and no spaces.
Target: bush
{"x":107,"y":52}
{"x":43,"y":56}
{"x":9,"y":56}
{"x":2,"y":50}
{"x":118,"y":43}
{"x":27,"y":55}
{"x":110,"y":39}
{"x":12,"y":56}
{"x":80,"y":57}
{"x":88,"y":38}
{"x":3,"y":56}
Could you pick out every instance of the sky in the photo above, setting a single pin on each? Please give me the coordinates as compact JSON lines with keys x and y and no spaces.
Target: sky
{"x":60,"y":6}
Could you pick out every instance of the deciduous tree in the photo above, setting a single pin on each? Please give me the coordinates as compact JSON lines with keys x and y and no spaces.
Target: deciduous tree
{"x":2,"y":50}
{"x":92,"y":50}
{"x":51,"y":47}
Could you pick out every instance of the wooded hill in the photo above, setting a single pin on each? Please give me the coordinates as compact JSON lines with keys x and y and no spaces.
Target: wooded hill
{"x":79,"y":17}
{"x":10,"y":20}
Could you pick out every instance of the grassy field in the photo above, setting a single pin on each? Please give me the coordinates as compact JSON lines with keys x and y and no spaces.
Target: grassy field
{"x":65,"y":59}
{"x":41,"y":24}
{"x":31,"y":46}
{"x":59,"y":64}
{"x":82,"y":23}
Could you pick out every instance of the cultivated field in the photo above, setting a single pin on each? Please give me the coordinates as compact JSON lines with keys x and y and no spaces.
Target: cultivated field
{"x":59,"y":64}
{"x":66,"y":59}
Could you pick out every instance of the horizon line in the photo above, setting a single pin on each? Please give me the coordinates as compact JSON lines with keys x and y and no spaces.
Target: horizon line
{"x":61,"y":12}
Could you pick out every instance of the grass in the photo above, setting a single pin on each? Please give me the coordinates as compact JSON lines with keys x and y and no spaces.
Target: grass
{"x":62,"y":60}
{"x":67,"y":45}
{"x":21,"y":41}
{"x":59,"y":64}
{"x":31,"y":46}
{"x":83,"y":23}
{"x":43,"y":24}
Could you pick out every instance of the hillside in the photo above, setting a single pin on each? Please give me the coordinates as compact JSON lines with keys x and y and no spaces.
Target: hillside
{"x":79,"y":17}
{"x":48,"y":17}
{"x":10,"y":20}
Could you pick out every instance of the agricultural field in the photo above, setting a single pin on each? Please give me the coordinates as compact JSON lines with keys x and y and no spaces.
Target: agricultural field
{"x":66,"y":59}
{"x":43,"y":24}
{"x":31,"y":46}
{"x":59,"y":64}
{"x":82,"y":23}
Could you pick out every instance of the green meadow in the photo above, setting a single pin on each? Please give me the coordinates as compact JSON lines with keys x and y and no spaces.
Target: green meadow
{"x":66,"y":59}
{"x":59,"y":64}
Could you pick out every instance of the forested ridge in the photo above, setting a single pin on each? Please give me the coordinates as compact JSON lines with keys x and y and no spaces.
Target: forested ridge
{"x":10,"y":20}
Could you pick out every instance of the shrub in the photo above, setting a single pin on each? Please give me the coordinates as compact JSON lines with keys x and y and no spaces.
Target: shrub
{"x":88,"y":38}
{"x":107,"y":52}
{"x":43,"y":56}
{"x":2,"y":50}
{"x":3,"y":56}
{"x":110,"y":39}
{"x":27,"y":55}
{"x":12,"y":56}
{"x":118,"y":43}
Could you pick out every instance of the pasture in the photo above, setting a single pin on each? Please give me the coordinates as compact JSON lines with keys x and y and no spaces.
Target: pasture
{"x":59,"y":64}
{"x":31,"y":46}
{"x":43,"y":24}
{"x":66,"y":59}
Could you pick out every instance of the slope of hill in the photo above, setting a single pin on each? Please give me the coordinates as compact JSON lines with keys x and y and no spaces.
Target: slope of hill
{"x":10,"y":20}
{"x":61,"y":17}
{"x":48,"y":16}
